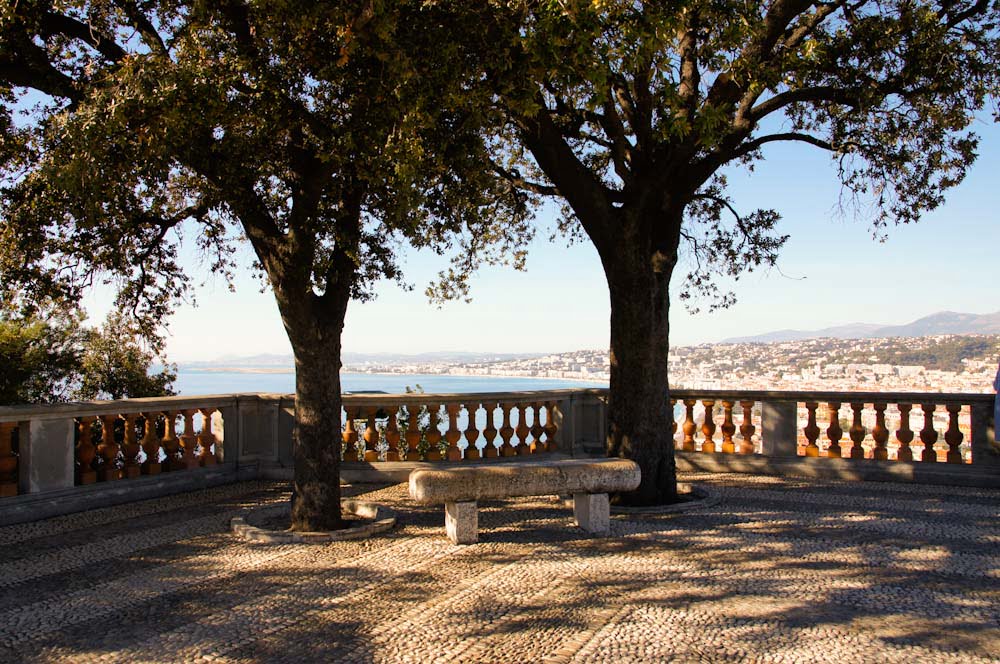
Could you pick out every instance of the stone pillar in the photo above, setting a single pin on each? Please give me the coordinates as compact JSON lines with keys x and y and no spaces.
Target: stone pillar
{"x":985,"y":449}
{"x":564,"y":417}
{"x":461,"y":522}
{"x":592,"y":512}
{"x":47,"y":455}
{"x":779,"y":428}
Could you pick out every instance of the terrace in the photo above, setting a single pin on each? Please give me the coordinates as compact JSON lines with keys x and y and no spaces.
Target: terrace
{"x":795,"y":557}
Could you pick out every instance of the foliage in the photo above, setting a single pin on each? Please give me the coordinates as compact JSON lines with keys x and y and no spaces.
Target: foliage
{"x":115,"y":365}
{"x":40,"y":360}
{"x":52,"y":358}
{"x":425,"y":421}
{"x":621,"y":108}
{"x":301,"y":126}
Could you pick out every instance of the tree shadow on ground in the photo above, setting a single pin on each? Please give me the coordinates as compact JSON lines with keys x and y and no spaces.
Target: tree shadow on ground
{"x":774,"y":567}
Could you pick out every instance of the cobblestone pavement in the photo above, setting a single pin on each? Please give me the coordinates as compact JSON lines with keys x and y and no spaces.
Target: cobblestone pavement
{"x":777,"y":571}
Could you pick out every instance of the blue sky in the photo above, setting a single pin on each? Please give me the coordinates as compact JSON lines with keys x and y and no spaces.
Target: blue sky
{"x":831,"y":272}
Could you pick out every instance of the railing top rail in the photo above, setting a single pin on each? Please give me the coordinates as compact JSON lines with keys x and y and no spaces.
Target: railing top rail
{"x":526,"y":396}
{"x":147,"y":404}
{"x":841,"y":396}
{"x":157,"y":404}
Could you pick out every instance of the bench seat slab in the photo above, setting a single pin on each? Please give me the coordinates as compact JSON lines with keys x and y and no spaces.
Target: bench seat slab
{"x":453,"y":484}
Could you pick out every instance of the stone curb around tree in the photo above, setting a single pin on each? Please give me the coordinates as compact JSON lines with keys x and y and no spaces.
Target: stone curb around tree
{"x":701,"y":496}
{"x":381,"y":519}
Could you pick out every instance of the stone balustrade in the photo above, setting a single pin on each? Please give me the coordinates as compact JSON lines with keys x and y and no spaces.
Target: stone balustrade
{"x":111,"y":451}
{"x":880,"y":426}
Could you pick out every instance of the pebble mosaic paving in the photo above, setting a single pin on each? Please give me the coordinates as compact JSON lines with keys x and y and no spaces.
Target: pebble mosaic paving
{"x":778,"y":570}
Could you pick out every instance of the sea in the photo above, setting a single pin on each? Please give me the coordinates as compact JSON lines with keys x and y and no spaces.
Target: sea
{"x":193,"y":383}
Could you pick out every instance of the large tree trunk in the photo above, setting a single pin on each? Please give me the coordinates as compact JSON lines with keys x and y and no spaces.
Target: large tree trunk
{"x":318,"y":439}
{"x":639,"y":415}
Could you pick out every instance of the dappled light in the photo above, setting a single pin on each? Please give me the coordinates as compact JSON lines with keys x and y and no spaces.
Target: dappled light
{"x":824,"y":571}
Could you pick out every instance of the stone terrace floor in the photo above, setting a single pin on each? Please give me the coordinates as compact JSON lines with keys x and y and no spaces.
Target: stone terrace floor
{"x":778,"y":570}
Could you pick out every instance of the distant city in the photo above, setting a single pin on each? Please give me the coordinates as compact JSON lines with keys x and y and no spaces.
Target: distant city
{"x":943,"y":352}
{"x":939,"y":363}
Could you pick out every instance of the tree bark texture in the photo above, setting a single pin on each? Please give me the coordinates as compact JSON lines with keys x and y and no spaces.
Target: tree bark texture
{"x":318,"y":422}
{"x":639,"y":415}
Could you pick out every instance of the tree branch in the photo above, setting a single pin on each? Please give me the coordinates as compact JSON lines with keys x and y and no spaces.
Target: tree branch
{"x":59,"y":24}
{"x":750,"y":146}
{"x":145,"y":27}
{"x":814,"y":94}
{"x":515,"y":178}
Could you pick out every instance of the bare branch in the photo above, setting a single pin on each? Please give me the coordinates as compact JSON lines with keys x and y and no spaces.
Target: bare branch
{"x":515,"y":178}
{"x":59,"y":24}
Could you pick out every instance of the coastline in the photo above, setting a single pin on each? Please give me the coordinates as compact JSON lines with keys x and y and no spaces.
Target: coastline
{"x":290,"y":371}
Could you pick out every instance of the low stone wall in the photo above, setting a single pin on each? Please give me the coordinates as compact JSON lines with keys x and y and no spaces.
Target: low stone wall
{"x":69,"y":457}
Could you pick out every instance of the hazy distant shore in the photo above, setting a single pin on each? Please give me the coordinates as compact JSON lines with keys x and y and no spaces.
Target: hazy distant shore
{"x":284,"y":370}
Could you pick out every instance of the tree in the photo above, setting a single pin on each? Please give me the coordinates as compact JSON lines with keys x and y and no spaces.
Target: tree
{"x":115,"y":364}
{"x":39,"y":358}
{"x":324,"y":134}
{"x":629,"y":112}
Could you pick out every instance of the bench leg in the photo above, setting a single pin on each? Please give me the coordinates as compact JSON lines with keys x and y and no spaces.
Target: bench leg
{"x":592,"y":512}
{"x":461,"y":522}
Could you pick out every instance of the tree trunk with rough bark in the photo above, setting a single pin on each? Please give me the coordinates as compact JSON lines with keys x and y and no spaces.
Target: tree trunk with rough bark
{"x":639,"y":416}
{"x":318,"y":422}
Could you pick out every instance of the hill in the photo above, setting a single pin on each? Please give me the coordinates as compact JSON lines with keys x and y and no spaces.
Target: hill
{"x":943,"y":322}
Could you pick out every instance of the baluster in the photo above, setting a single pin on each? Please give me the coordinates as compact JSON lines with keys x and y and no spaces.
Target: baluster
{"x":811,"y":430}
{"x":689,"y":426}
{"x":904,"y":435}
{"x":131,"y":447}
{"x":857,"y":432}
{"x":708,"y":428}
{"x":490,"y":450}
{"x":8,"y":460}
{"x":85,"y":452}
{"x":522,"y":430}
{"x":189,"y":440}
{"x":953,"y":436}
{"x":350,"y":435}
{"x":453,"y":434}
{"x":880,"y":434}
{"x":433,"y":432}
{"x":551,"y":444}
{"x":506,"y":432}
{"x":108,"y":449}
{"x":206,"y":439}
{"x":150,"y":445}
{"x":673,"y":422}
{"x":728,"y":428}
{"x":834,"y":433}
{"x":171,"y":443}
{"x":412,"y":432}
{"x":371,"y":434}
{"x":472,"y":432}
{"x":392,"y":435}
{"x":747,"y":428}
{"x":928,"y":435}
{"x":537,"y":446}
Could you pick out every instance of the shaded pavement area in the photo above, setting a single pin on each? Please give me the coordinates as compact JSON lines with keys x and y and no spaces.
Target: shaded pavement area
{"x":779,"y":570}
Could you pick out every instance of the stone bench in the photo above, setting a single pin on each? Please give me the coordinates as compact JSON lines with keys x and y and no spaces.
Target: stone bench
{"x":459,"y":487}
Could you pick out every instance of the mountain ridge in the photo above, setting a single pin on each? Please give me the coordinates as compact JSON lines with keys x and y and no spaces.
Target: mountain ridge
{"x":941,"y":322}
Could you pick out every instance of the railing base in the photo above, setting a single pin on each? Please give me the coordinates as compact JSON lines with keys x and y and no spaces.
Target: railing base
{"x":36,"y":506}
{"x":855,"y":470}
